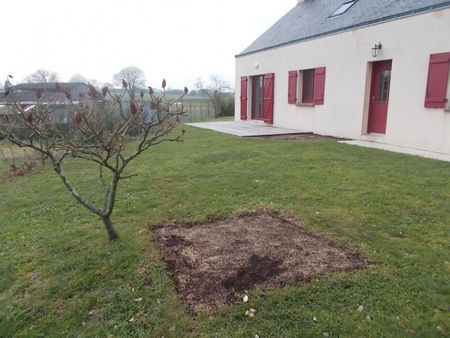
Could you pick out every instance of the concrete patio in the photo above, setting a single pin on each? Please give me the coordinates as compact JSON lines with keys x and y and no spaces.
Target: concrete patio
{"x":402,"y":150}
{"x":254,"y":129}
{"x":247,"y":129}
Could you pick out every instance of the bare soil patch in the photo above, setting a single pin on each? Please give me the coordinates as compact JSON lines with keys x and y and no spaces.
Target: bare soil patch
{"x":215,"y":262}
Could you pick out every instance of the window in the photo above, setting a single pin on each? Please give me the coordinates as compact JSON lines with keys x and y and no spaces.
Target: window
{"x":307,"y":86}
{"x":343,"y":8}
{"x":437,"y":94}
{"x":384,"y":85}
{"x":257,"y":98}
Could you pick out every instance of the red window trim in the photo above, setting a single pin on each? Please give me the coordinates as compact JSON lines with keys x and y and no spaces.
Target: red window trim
{"x":437,"y":81}
{"x":319,"y":85}
{"x":244,"y":87}
{"x":292,"y":87}
{"x":268,"y":90}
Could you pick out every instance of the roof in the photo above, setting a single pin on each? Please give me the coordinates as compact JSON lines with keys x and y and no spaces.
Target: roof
{"x":26,"y":92}
{"x":49,"y":86}
{"x":310,"y":19}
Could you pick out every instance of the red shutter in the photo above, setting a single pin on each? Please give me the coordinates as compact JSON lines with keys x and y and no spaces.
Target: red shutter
{"x":292,"y":87}
{"x":438,"y":71}
{"x":268,"y":89}
{"x":319,"y":85}
{"x":244,"y":82}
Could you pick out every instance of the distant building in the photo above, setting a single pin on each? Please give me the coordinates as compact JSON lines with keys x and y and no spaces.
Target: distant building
{"x":26,"y":95}
{"x":26,"y":92}
{"x":62,"y":108}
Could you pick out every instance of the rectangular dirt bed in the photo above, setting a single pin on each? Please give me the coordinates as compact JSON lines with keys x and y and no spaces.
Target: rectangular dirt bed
{"x":214,"y":262}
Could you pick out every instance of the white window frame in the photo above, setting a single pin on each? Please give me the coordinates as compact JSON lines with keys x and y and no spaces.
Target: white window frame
{"x":343,"y":8}
{"x":300,"y":88}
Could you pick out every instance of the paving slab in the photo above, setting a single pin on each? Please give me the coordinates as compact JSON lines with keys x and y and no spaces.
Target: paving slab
{"x":398,"y":149}
{"x":247,"y":129}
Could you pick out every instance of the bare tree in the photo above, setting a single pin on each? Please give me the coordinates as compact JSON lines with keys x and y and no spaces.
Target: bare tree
{"x":78,"y":78}
{"x":215,"y":90}
{"x":134,"y":76}
{"x":83,"y":79}
{"x":108,"y":85}
{"x":8,"y":83}
{"x":96,"y":83}
{"x":98,"y":131}
{"x":42,"y":76}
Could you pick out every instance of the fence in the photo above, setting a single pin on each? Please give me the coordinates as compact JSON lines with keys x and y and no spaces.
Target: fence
{"x":198,"y":111}
{"x":201,"y":110}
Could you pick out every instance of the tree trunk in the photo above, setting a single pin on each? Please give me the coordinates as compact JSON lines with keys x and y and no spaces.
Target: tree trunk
{"x":112,"y":234}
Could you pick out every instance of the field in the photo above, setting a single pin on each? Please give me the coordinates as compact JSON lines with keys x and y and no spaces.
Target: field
{"x":60,"y":277}
{"x":198,"y":108}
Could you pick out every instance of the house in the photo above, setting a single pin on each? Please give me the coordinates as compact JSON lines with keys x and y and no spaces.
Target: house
{"x":55,"y":95}
{"x":27,"y":91}
{"x":51,"y":94}
{"x":374,"y":70}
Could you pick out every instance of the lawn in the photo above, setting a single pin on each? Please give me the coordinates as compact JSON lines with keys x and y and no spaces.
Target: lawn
{"x":60,"y":277}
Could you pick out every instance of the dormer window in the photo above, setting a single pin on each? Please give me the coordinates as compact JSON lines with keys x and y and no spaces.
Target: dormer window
{"x":343,"y":8}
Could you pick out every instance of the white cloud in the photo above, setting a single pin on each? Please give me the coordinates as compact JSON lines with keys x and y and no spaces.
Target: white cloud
{"x":176,"y":39}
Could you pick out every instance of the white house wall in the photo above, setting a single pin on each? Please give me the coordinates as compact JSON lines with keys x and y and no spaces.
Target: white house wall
{"x":347,"y":58}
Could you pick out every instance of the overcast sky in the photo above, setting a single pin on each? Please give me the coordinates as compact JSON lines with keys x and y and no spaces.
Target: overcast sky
{"x":175,"y":39}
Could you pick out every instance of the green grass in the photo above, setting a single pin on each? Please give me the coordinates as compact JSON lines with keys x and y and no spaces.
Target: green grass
{"x":60,"y":277}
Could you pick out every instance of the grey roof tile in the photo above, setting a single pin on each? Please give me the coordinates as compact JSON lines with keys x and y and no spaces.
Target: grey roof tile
{"x":49,"y":86}
{"x":310,"y":19}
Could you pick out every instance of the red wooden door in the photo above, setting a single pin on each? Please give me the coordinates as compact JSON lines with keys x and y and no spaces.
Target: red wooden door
{"x":379,"y":97}
{"x":244,"y":83}
{"x":268,"y":98}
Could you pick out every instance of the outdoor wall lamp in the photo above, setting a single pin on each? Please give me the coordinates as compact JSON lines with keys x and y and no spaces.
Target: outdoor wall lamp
{"x":376,"y":49}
